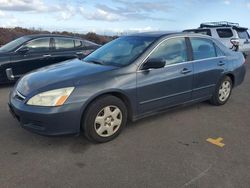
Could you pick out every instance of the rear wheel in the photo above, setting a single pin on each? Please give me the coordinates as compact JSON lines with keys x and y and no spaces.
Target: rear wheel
{"x":104,"y":119}
{"x":222,"y":92}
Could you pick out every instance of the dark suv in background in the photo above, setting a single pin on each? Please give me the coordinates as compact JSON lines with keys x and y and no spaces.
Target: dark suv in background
{"x":35,"y":51}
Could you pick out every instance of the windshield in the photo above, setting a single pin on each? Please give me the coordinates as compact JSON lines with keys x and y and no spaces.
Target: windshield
{"x":13,"y":44}
{"x":120,"y":52}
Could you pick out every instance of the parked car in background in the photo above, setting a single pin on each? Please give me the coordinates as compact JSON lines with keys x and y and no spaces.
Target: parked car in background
{"x":230,"y":34}
{"x":35,"y":51}
{"x":129,"y":78}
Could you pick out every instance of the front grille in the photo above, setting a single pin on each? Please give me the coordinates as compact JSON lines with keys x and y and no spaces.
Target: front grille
{"x":19,"y":96}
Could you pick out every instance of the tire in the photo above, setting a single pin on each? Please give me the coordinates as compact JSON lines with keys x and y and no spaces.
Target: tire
{"x":222,"y":92}
{"x":104,"y":119}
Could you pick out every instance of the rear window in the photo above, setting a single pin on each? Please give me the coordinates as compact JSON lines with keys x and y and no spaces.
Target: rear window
{"x":243,"y":34}
{"x":64,"y":43}
{"x":200,"y":31}
{"x":202,"y":48}
{"x":225,"y":33}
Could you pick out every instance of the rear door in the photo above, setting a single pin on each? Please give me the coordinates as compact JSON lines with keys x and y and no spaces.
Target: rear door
{"x":63,"y":49}
{"x":208,"y":64}
{"x":69,"y":48}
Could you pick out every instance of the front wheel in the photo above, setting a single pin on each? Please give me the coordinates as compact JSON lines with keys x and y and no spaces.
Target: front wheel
{"x":222,"y":92}
{"x":104,"y":119}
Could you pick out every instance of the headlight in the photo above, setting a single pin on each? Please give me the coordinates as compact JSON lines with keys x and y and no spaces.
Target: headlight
{"x":55,"y":97}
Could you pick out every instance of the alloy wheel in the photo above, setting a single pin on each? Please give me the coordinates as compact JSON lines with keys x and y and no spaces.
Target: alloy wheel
{"x":224,"y":91}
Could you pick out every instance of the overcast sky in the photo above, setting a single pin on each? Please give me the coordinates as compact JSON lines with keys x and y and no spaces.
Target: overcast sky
{"x":108,"y":16}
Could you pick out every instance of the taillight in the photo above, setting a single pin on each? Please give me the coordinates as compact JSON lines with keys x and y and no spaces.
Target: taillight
{"x":235,"y":41}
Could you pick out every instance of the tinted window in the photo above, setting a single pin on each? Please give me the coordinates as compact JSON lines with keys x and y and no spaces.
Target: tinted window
{"x":243,"y":34}
{"x":172,"y":50}
{"x":64,"y":43}
{"x":120,"y":52}
{"x":225,"y":33}
{"x":13,"y":44}
{"x":38,"y":45}
{"x":202,"y":48}
{"x":200,"y":31}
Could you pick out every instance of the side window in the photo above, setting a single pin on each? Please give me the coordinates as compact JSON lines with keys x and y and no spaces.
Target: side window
{"x":38,"y":45}
{"x":202,"y":48}
{"x":243,"y":34}
{"x":78,"y":44}
{"x":172,"y":51}
{"x":225,"y":33}
{"x":64,"y":43}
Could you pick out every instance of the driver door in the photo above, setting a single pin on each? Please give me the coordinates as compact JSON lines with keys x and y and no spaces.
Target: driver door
{"x":168,"y":86}
{"x":37,"y":55}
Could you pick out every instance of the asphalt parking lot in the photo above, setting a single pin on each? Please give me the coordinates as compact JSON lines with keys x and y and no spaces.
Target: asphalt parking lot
{"x":167,"y":150}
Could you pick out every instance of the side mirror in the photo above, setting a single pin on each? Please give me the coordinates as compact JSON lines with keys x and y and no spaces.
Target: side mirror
{"x":154,"y":63}
{"x":23,"y":50}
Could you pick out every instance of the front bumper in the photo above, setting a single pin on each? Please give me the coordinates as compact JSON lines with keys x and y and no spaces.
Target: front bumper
{"x":48,"y":121}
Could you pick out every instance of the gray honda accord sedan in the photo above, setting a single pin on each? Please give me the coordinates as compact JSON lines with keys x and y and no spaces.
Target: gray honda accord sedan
{"x":129,"y":78}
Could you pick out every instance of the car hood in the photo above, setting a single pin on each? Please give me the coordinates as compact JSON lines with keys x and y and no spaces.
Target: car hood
{"x":64,"y":74}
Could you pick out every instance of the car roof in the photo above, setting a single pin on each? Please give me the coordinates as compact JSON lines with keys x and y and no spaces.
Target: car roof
{"x":169,"y":33}
{"x":34,"y":36}
{"x":156,"y":34}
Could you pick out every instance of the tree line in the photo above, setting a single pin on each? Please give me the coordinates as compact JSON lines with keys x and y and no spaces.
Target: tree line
{"x":9,"y":34}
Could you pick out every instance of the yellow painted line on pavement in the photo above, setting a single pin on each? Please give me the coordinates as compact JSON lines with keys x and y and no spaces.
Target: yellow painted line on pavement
{"x":217,"y":142}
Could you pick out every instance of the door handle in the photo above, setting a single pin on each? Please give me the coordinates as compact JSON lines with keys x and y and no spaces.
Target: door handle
{"x":221,"y":63}
{"x":79,"y":53}
{"x":185,"y":71}
{"x":46,"y":56}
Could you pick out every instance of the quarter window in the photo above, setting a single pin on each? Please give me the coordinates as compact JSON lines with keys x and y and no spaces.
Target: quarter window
{"x":202,"y":48}
{"x":64,"y":43}
{"x":38,"y":45}
{"x":225,"y":33}
{"x":243,"y":34}
{"x":78,"y":44}
{"x":172,"y":51}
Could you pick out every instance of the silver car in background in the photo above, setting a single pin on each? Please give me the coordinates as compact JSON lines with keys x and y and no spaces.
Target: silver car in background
{"x":230,"y":34}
